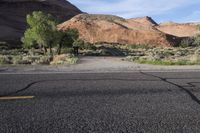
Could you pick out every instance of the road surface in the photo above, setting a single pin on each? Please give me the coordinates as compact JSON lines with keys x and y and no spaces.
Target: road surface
{"x":143,"y":102}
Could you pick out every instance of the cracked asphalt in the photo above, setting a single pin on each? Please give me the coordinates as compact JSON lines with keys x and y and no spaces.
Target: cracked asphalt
{"x":141,"y":102}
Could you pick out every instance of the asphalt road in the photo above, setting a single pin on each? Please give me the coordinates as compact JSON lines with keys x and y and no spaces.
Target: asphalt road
{"x":142,"y":102}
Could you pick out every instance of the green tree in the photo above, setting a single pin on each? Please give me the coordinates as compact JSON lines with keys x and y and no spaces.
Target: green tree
{"x":28,"y":39}
{"x":66,"y":38}
{"x":42,"y":31}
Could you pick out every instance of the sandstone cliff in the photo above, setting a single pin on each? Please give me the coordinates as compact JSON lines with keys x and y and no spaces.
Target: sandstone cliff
{"x":113,"y":29}
{"x":178,"y":29}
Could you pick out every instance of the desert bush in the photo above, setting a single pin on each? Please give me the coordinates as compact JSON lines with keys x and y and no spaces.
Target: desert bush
{"x":139,"y":46}
{"x":104,"y":52}
{"x":132,"y":58}
{"x":44,"y":60}
{"x":35,"y":52}
{"x":78,"y":43}
{"x":24,"y":60}
{"x":21,"y":60}
{"x":181,"y":52}
{"x":64,"y":59}
{"x":72,"y":60}
{"x":188,"y":42}
{"x":196,"y":56}
{"x":111,"y":18}
{"x":197,"y":40}
{"x":13,"y":52}
{"x":5,"y":59}
{"x":66,"y":50}
{"x":16,"y":60}
{"x":147,"y":60}
{"x":168,"y":53}
{"x":89,"y":46}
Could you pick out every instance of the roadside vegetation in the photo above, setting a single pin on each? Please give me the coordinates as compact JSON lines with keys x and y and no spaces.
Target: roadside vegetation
{"x":44,"y":44}
{"x":186,"y":53}
{"x":166,"y":56}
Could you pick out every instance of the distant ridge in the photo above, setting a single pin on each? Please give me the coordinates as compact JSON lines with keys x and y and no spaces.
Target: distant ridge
{"x":13,"y":15}
{"x":145,"y":20}
{"x":93,"y":28}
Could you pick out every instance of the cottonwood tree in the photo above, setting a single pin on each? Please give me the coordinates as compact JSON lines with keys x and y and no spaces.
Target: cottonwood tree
{"x":42,"y":31}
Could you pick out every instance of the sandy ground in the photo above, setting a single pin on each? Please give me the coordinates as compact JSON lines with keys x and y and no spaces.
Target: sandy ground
{"x":96,"y":64}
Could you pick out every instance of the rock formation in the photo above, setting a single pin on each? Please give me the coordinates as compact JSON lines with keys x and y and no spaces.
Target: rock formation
{"x":13,"y":15}
{"x":178,"y":29}
{"x":113,"y":29}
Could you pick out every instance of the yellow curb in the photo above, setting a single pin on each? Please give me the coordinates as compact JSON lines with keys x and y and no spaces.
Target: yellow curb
{"x":16,"y":97}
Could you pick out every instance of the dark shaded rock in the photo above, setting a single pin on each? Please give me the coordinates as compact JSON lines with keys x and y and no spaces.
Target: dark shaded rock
{"x":13,"y":15}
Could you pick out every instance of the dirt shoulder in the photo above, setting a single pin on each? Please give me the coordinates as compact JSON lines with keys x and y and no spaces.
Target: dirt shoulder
{"x":95,"y":64}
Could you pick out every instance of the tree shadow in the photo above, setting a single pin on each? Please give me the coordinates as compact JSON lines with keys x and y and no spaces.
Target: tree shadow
{"x":111,"y":92}
{"x":99,"y":79}
{"x":193,"y":97}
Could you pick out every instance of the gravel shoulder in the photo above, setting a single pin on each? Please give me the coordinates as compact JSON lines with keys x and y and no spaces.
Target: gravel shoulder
{"x":96,"y":64}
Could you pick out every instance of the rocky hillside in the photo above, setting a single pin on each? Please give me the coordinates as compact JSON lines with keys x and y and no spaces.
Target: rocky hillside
{"x":178,"y":29}
{"x":13,"y":15}
{"x":113,"y":29}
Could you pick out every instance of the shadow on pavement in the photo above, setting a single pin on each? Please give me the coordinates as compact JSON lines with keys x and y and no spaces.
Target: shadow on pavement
{"x":194,"y":98}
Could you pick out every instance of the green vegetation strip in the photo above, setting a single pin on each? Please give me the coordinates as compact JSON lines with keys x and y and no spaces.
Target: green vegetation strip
{"x":164,"y":62}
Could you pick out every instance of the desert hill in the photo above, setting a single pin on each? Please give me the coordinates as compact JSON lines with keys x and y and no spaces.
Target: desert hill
{"x":145,"y":20}
{"x":112,"y":29}
{"x":178,"y":29}
{"x":93,"y":28}
{"x":13,"y":15}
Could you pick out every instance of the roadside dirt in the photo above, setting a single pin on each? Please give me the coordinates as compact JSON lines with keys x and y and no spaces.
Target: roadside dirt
{"x":91,"y":64}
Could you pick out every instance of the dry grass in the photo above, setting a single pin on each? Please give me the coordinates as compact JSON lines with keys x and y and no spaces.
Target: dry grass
{"x":167,"y":56}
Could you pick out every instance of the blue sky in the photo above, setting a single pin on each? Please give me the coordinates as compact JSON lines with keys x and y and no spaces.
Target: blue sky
{"x":159,"y":10}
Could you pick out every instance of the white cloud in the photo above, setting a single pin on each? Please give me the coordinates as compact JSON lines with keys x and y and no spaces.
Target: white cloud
{"x":131,"y":8}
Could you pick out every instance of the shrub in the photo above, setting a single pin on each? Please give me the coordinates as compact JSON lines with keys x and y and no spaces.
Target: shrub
{"x":35,"y":52}
{"x":79,"y":43}
{"x":67,"y":51}
{"x":64,"y":59}
{"x":197,"y":40}
{"x":132,"y":58}
{"x":89,"y":46}
{"x":44,"y":60}
{"x":16,"y":60}
{"x":187,"y":42}
{"x":139,"y":46}
{"x":5,"y":59}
